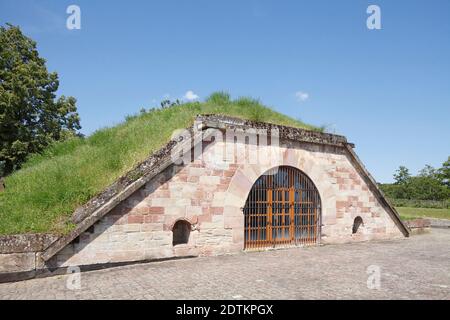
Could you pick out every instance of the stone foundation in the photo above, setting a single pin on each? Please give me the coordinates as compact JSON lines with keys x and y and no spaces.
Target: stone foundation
{"x":19,"y":255}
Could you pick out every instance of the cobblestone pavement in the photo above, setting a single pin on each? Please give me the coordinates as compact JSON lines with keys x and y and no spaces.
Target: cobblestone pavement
{"x":414,"y":268}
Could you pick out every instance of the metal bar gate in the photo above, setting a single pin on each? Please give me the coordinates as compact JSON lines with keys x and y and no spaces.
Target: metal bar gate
{"x":282,"y":209}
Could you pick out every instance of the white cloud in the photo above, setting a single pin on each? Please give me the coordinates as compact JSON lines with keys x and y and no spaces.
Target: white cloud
{"x":190,"y":96}
{"x":301,"y":96}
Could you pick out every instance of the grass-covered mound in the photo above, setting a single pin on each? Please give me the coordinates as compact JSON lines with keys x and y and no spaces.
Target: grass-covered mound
{"x":42,"y":195}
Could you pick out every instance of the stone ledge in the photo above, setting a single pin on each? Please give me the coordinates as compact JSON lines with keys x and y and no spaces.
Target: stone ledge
{"x":418,"y":223}
{"x":439,"y":223}
{"x":418,"y":226}
{"x":285,"y":132}
{"x":22,"y":243}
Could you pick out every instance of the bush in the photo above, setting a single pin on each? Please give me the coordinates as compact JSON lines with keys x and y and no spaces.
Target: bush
{"x":219,"y":98}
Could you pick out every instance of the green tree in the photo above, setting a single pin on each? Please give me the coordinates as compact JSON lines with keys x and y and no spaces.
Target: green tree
{"x":444,"y":173}
{"x":426,"y":188}
{"x":402,"y":175}
{"x":31,"y":117}
{"x":429,"y":171}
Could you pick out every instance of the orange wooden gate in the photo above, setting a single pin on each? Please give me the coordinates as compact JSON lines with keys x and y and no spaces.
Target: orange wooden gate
{"x":282,"y":209}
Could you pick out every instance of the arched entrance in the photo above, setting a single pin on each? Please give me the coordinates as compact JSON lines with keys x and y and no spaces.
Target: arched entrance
{"x":282,"y":209}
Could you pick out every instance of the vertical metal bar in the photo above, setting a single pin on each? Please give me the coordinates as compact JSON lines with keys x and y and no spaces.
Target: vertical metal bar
{"x":282,"y":209}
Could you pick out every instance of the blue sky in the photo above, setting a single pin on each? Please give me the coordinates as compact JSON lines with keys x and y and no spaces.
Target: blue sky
{"x":387,"y":90}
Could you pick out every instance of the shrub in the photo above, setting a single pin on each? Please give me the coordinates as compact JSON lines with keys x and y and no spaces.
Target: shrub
{"x":219,"y":98}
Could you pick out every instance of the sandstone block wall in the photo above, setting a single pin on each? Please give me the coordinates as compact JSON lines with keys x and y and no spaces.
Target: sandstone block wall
{"x":210,"y":194}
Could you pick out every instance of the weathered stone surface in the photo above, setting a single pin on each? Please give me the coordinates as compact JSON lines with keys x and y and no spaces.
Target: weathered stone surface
{"x":25,"y":243}
{"x":17,"y":262}
{"x":439,"y":223}
{"x":418,"y":223}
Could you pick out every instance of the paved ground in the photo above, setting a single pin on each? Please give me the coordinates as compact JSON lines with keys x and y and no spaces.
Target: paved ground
{"x":418,"y":267}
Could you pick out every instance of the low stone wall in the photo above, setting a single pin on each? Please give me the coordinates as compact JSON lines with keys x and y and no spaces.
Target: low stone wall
{"x":419,"y":226}
{"x":439,"y":223}
{"x":18,"y":255}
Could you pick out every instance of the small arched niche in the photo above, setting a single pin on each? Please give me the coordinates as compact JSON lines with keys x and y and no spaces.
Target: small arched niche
{"x":181,"y":232}
{"x":356,"y":224}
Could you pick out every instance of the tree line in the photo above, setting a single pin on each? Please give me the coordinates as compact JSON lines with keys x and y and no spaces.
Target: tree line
{"x":429,"y":184}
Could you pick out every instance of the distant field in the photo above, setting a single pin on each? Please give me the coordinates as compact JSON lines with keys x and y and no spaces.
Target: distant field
{"x":408,"y":213}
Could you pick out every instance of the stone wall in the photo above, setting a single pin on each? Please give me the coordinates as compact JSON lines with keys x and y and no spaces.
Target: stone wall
{"x":419,"y":226}
{"x":18,"y":255}
{"x":210,"y":194}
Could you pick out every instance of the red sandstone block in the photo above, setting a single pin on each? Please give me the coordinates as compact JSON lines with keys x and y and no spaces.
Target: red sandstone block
{"x":217,"y":172}
{"x":196,"y":202}
{"x":193,"y":179}
{"x":339,"y":214}
{"x":183,"y":177}
{"x":216,"y":210}
{"x":135,"y":218}
{"x":365,"y":210}
{"x":222,"y":187}
{"x":229,"y":173}
{"x":156,"y":210}
{"x":153,"y":218}
{"x":204,"y":218}
{"x":342,"y":205}
{"x":198,"y":195}
{"x":225,"y":179}
{"x":162,"y":194}
{"x":418,"y":223}
{"x":206,"y":210}
{"x":340,"y":180}
{"x":141,"y":210}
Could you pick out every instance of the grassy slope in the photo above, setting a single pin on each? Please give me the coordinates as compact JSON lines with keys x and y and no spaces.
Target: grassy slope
{"x":43,"y":194}
{"x":412,"y":213}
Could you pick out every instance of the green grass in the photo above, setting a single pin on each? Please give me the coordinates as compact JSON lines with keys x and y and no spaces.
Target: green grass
{"x":43,"y":194}
{"x":407,"y":213}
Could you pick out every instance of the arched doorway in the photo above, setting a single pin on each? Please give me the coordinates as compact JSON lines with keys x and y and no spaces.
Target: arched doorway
{"x":282,"y":209}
